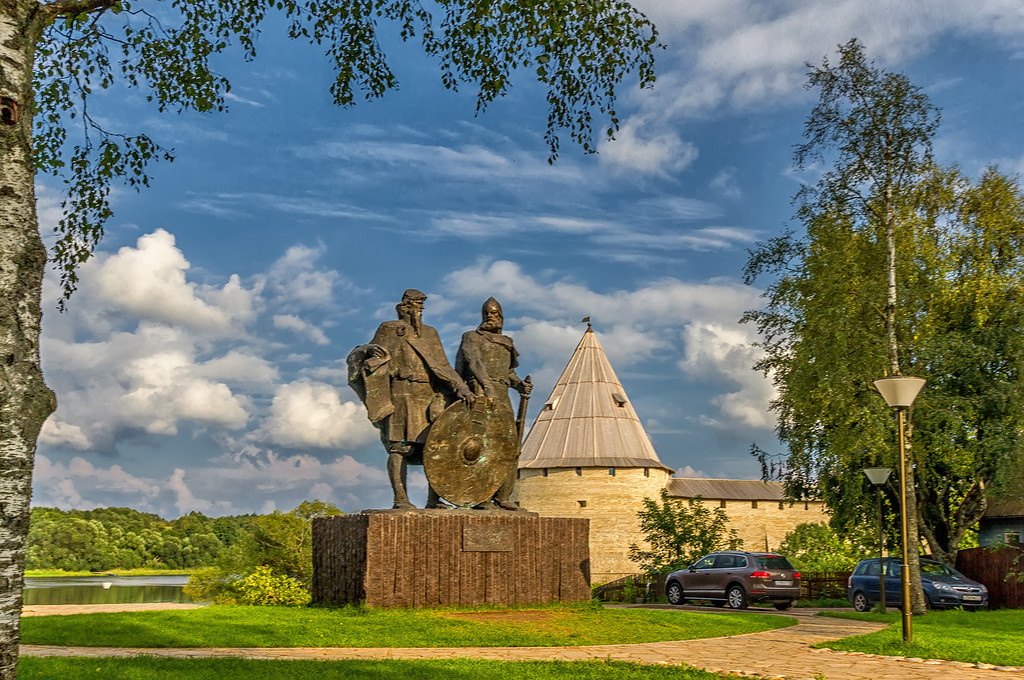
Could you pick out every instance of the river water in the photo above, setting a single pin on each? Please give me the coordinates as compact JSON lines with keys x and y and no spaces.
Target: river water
{"x":104,"y":589}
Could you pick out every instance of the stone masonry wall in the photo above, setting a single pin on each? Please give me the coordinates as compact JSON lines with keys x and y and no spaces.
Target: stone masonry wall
{"x":764,"y":527}
{"x":611,"y":504}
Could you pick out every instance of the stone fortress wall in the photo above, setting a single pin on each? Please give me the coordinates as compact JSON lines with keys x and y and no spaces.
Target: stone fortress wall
{"x":611,"y":502}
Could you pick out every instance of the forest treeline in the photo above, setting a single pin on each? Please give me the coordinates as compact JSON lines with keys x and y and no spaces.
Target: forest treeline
{"x":122,"y":538}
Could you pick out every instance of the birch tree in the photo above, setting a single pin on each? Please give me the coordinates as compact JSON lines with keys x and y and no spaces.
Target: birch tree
{"x":874,"y":130}
{"x":54,"y":53}
{"x":834,"y":320}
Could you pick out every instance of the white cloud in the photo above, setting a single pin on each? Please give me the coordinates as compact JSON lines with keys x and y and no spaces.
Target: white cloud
{"x":185,"y":500}
{"x":718,"y":352}
{"x":725,"y":184}
{"x":745,"y":55}
{"x":299,"y":327}
{"x":58,"y":433}
{"x":80,"y":484}
{"x":150,"y":380}
{"x":647,"y":150}
{"x":230,"y":484}
{"x":635,"y":326}
{"x":149,"y":282}
{"x":295,"y":280}
{"x":311,"y":414}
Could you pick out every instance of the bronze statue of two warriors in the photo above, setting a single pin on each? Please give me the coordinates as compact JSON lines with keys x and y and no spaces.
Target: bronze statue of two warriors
{"x":458,"y":423}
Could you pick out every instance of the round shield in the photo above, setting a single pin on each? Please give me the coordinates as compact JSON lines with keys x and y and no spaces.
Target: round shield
{"x":470,"y":451}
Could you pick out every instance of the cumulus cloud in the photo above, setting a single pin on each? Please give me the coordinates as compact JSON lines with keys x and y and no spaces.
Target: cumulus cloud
{"x":714,"y":351}
{"x":149,"y":281}
{"x":697,"y":322}
{"x":299,"y":327}
{"x":231,"y":484}
{"x":296,"y":280}
{"x":80,"y":484}
{"x":144,"y":349}
{"x":639,"y":148}
{"x":150,"y":380}
{"x":311,"y":414}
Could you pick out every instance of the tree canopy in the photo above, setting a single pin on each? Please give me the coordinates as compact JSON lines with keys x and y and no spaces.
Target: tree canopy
{"x":677,"y":534}
{"x":903,"y":267}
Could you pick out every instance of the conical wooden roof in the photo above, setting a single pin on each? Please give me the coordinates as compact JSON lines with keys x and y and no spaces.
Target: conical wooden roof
{"x":588,"y":420}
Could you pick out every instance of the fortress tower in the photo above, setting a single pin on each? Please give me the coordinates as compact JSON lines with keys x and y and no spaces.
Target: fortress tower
{"x":588,"y":455}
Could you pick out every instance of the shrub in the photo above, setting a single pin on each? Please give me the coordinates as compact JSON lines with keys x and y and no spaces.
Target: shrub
{"x":213,"y":585}
{"x":263,"y":586}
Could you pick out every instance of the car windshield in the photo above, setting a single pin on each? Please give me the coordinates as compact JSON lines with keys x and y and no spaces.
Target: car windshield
{"x":774,"y":562}
{"x":939,"y":571}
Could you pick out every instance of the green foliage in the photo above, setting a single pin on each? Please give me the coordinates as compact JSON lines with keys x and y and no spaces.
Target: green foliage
{"x":263,"y":587}
{"x":816,"y":547}
{"x":271,"y":563}
{"x":957,"y":318}
{"x":677,"y":534}
{"x":212,"y":585}
{"x":539,"y":626}
{"x":40,"y":668}
{"x":119,"y":538}
{"x":579,"y":51}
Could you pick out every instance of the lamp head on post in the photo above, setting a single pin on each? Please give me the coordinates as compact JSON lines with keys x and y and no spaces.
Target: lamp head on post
{"x":899,"y":391}
{"x":877,"y":475}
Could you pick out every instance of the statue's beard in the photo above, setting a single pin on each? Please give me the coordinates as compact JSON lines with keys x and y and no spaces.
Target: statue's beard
{"x":493,"y":326}
{"x":416,"y":321}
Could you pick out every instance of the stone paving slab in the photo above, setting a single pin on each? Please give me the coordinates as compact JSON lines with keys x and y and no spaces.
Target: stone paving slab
{"x":784,"y":653}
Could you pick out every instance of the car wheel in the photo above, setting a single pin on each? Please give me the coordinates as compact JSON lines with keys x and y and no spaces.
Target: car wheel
{"x":737,"y":597}
{"x":783,"y":606}
{"x":675,"y":593}
{"x":860,"y":602}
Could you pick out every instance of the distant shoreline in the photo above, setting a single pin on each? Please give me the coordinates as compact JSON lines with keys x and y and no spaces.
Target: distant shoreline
{"x":57,"y":573}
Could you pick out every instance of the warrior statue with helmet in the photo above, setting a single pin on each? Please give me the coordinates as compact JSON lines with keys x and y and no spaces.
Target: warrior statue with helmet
{"x":465,"y":435}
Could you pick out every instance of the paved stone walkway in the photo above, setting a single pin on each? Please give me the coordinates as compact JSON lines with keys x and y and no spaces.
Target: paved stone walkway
{"x":781,"y":653}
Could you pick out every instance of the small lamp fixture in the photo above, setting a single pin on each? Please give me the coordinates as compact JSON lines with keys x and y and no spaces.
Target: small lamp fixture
{"x":899,"y":391}
{"x":877,"y":475}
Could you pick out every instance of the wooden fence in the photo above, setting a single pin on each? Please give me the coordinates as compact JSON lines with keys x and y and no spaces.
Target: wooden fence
{"x":817,"y":584}
{"x":1000,"y":569}
{"x":628,"y":588}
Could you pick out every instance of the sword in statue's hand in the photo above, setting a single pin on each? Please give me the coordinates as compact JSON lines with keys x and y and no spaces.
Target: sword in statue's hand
{"x":524,"y":399}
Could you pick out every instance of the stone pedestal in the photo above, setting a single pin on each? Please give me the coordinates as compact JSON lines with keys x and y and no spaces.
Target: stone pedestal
{"x":440,"y":558}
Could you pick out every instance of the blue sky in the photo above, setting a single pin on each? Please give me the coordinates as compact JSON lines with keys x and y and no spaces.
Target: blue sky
{"x":201,"y":364}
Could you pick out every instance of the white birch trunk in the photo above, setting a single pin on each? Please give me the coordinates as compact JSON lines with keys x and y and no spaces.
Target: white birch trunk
{"x":25,"y":401}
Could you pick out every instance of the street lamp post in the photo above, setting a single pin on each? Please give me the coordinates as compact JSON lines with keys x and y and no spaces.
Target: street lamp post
{"x":899,"y":392}
{"x":877,"y":476}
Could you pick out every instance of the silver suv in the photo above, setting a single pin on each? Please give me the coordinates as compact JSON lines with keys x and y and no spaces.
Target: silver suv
{"x":736,"y":578}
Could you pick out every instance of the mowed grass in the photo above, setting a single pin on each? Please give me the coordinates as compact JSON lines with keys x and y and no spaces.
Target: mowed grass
{"x":141,"y":668}
{"x":995,"y":637}
{"x":222,"y":626}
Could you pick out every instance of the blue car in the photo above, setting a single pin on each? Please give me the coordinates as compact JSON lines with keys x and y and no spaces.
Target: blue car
{"x":944,"y":587}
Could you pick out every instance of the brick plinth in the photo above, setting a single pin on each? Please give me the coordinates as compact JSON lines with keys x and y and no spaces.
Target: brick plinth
{"x":449,"y":558}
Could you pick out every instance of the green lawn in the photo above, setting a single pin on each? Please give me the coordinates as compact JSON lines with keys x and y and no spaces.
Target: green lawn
{"x":222,"y":626}
{"x":987,"y":636}
{"x":240,"y":669}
